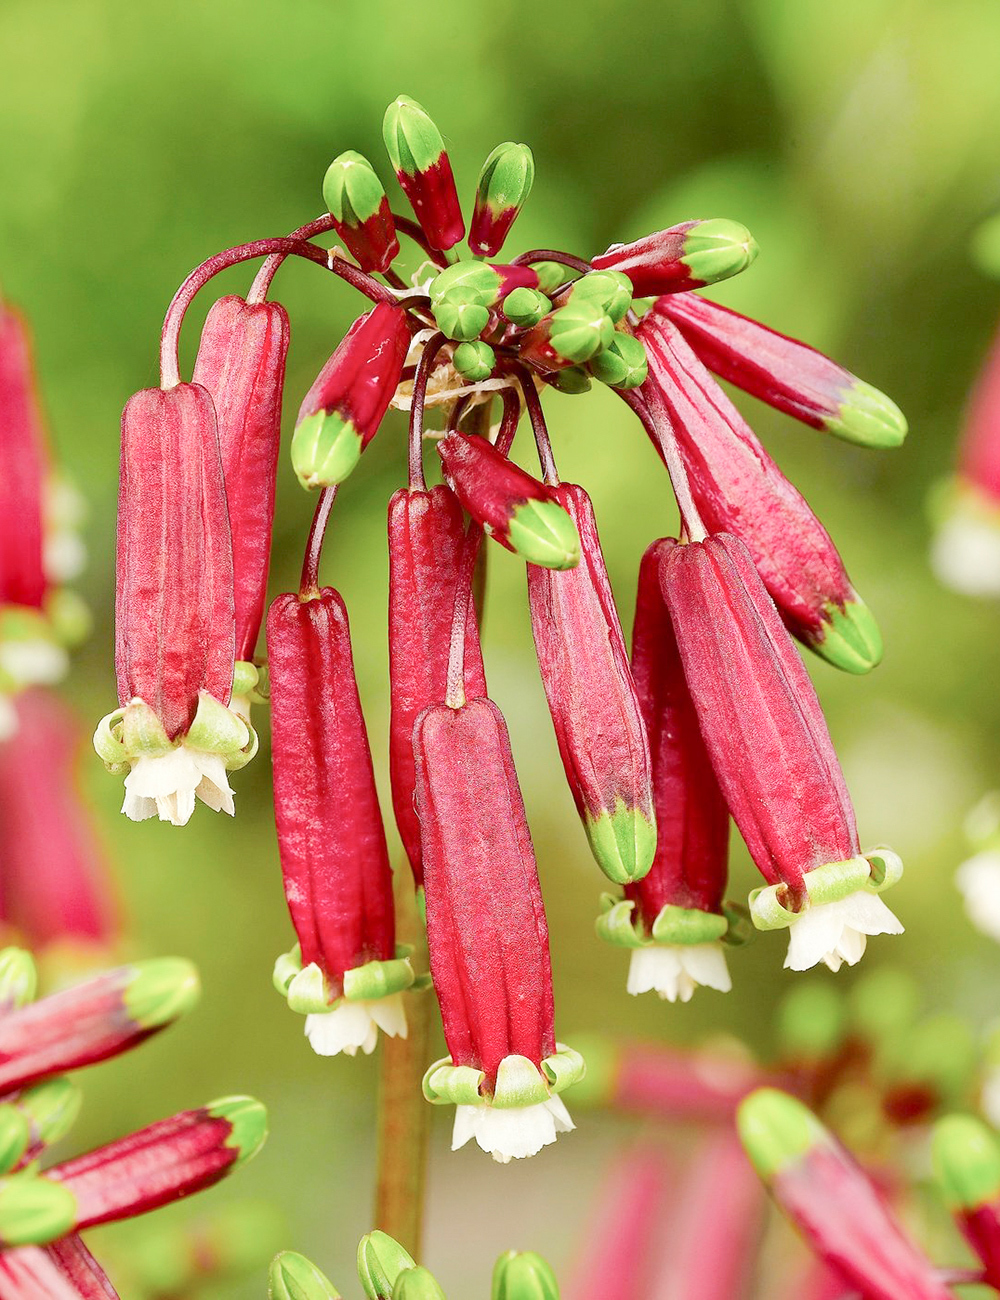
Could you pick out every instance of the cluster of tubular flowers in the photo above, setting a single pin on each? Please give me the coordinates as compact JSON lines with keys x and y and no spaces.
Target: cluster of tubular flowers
{"x":40,"y":548}
{"x":42,"y":1211}
{"x":713,"y":716}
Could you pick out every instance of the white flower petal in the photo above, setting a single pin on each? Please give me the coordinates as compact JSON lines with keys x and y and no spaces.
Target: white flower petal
{"x":965,"y":555}
{"x":512,"y":1134}
{"x":168,"y":784}
{"x":352,"y":1025}
{"x":389,"y":1015}
{"x":835,"y":933}
{"x":674,"y":971}
{"x":978,"y":878}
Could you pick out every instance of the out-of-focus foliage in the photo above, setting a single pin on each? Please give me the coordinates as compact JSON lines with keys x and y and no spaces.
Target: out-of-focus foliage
{"x":858,"y":141}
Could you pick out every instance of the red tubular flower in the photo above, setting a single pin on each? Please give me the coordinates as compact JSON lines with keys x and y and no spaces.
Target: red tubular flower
{"x":686,"y":256}
{"x":356,"y":200}
{"x":831,"y":1201}
{"x":344,"y":974}
{"x":175,"y":640}
{"x":417,"y":152}
{"x":787,"y":374}
{"x":66,"y":1270}
{"x":771,"y":751}
{"x":593,"y":701}
{"x":488,"y":938}
{"x":676,"y":909}
{"x":737,"y":488}
{"x":347,"y":402}
{"x":241,"y":362}
{"x":55,"y":881}
{"x":22,"y":469}
{"x":426,"y":536}
{"x":516,"y":510}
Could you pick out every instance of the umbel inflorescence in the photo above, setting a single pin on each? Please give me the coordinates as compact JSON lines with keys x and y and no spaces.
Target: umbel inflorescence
{"x":713,"y":716}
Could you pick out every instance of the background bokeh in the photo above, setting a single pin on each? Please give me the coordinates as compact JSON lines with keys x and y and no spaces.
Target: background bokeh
{"x":858,"y":141}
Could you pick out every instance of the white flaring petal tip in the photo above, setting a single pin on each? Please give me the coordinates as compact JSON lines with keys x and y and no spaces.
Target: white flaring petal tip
{"x":835,"y":933}
{"x":674,"y":971}
{"x":511,"y":1134}
{"x":352,"y":1025}
{"x":166,"y":785}
{"x":978,"y":878}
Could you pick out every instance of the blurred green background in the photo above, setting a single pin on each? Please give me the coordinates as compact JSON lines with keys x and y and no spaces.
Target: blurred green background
{"x":858,"y":141}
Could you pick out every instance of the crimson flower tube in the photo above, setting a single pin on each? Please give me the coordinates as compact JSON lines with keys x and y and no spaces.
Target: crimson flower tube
{"x":686,"y":256}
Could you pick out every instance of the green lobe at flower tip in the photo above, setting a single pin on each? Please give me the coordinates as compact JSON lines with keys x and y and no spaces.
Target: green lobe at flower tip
{"x":717,"y":249}
{"x":417,"y":1284}
{"x":325,"y":450}
{"x":542,"y":533}
{"x":352,"y":191}
{"x":966,"y":1159}
{"x":15,"y":1136}
{"x":161,"y":990}
{"x":580,"y":330}
{"x":34,"y":1210}
{"x":247,"y":1119}
{"x":293,"y":1277}
{"x":623,"y":842}
{"x":380,"y":1262}
{"x":18,"y":978}
{"x":851,"y":638}
{"x":51,"y":1108}
{"x":868,"y":418}
{"x":412,"y":141}
{"x":523,"y":1275}
{"x":507,"y":177}
{"x":777,"y":1131}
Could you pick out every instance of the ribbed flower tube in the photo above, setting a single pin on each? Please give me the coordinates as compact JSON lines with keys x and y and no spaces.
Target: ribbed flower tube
{"x":426,"y":536}
{"x":772,"y":755}
{"x":592,"y":699}
{"x":22,"y":469}
{"x":66,"y":1270}
{"x":488,"y":938}
{"x":737,"y":488}
{"x":344,"y":974}
{"x":241,"y":362}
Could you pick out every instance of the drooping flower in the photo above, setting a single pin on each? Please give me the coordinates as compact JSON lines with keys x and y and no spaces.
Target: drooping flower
{"x":345,"y":974}
{"x":771,"y":752}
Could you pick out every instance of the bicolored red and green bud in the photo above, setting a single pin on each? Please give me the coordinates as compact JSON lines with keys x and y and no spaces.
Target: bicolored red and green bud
{"x":18,"y":979}
{"x":49,"y":1109}
{"x":767,"y":738}
{"x":241,"y":362}
{"x":569,"y":336}
{"x":516,"y":510}
{"x":488,"y":938}
{"x":685,"y":256}
{"x":56,"y":885}
{"x":23,"y":470}
{"x":175,"y":636}
{"x":64,"y":1270}
{"x":737,"y":488}
{"x":504,"y":185}
{"x":966,"y":551}
{"x":967,"y":1169}
{"x":417,"y":153}
{"x":345,"y":973}
{"x":592,"y":699}
{"x":348,"y":400}
{"x":474,"y":361}
{"x":622,"y":364}
{"x":159,"y":1164}
{"x":358,"y":204}
{"x":787,"y":374}
{"x":610,"y":290}
{"x":293,"y":1277}
{"x":526,"y":307}
{"x":673,"y":918}
{"x":381,"y":1262}
{"x":426,"y":538}
{"x":832,"y":1202}
{"x":523,"y":1275}
{"x":464,"y":295}
{"x":91,"y":1021}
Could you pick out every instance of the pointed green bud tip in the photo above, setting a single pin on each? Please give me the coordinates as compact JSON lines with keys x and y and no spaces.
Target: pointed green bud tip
{"x":380,"y":1262}
{"x":460,"y":317}
{"x":573,"y":380}
{"x":293,"y":1277}
{"x":525,"y":307}
{"x":542,"y":533}
{"x":325,"y":449}
{"x":717,"y":249}
{"x":777,"y":1131}
{"x":851,"y":639}
{"x":417,"y":1284}
{"x":966,"y":1158}
{"x":412,"y":141}
{"x":811,"y":1020}
{"x":523,"y":1275}
{"x":611,"y":290}
{"x":474,"y":361}
{"x":247,"y":1119}
{"x":623,"y":842}
{"x":15,"y":1136}
{"x":507,"y":177}
{"x":51,"y":1108}
{"x":18,"y":978}
{"x":468,"y":281}
{"x":622,"y":365}
{"x":352,"y":191}
{"x":580,"y":329}
{"x":34,"y":1210}
{"x":867,"y":417}
{"x":161,"y":990}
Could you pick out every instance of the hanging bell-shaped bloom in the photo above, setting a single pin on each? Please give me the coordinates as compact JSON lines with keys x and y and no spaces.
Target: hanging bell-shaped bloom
{"x":357,"y":202}
{"x":832,"y":1202}
{"x":593,"y":701}
{"x":672,"y":919}
{"x":417,"y":152}
{"x":345,"y":973}
{"x":175,"y":639}
{"x":504,"y":185}
{"x":787,"y":374}
{"x":426,"y":538}
{"x":516,"y":510}
{"x":55,"y":882}
{"x":738,"y":489}
{"x":343,"y":409}
{"x":241,"y":362}
{"x":488,"y":938}
{"x":686,"y":256}
{"x":769,"y":745}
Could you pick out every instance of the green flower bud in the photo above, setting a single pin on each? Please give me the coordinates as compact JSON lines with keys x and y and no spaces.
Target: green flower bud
{"x":525,"y":307}
{"x":474,"y":361}
{"x":966,"y":1158}
{"x":416,"y":1284}
{"x":380,"y":1262}
{"x":412,"y":141}
{"x":460,"y":316}
{"x":611,"y":290}
{"x":293,"y":1277}
{"x":15,"y":1136}
{"x":579,"y":330}
{"x":573,"y":381}
{"x":352,"y":191}
{"x":622,"y":364}
{"x":523,"y":1276}
{"x":504,"y":185}
{"x":18,"y":978}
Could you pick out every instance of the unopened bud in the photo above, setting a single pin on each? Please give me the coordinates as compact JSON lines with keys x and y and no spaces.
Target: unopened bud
{"x":504,"y":185}
{"x":15,"y":1136}
{"x":18,"y":978}
{"x":611,"y":290}
{"x":523,"y":1276}
{"x":34,"y":1210}
{"x":417,"y":1284}
{"x":474,"y":361}
{"x":622,"y":364}
{"x":380,"y":1262}
{"x":417,"y":151}
{"x":293,"y":1277}
{"x":966,"y":1158}
{"x":357,"y":202}
{"x":526,"y":307}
